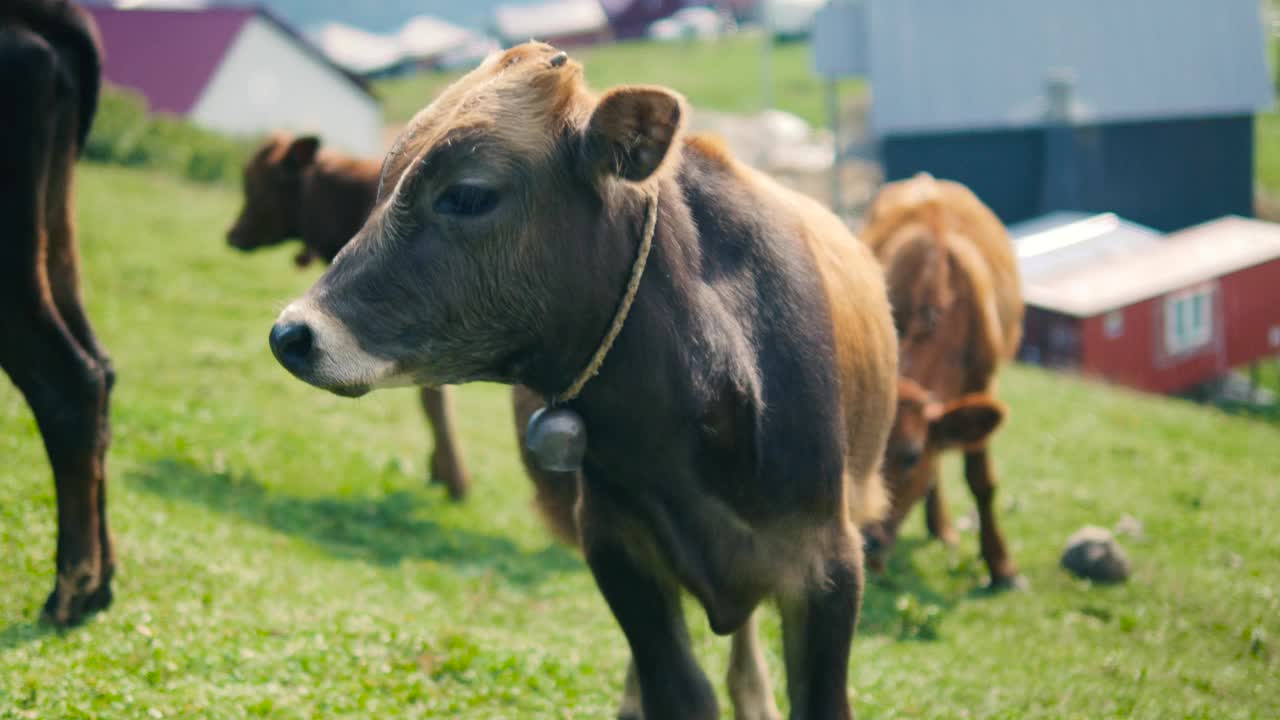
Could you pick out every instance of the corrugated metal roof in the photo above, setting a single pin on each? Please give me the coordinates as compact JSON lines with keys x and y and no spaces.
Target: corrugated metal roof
{"x":357,"y":50}
{"x":425,"y":37}
{"x":549,"y":20}
{"x":1087,"y":265}
{"x":422,"y":38}
{"x":939,"y":66}
{"x":1061,"y":242}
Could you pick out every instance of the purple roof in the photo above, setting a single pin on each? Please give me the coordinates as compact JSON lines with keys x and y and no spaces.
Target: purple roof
{"x":167,"y":55}
{"x":170,"y":55}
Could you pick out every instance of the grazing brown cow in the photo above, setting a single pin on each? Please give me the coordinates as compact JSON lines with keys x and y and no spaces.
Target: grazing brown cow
{"x":49,"y":79}
{"x":294,"y":189}
{"x":957,"y":305}
{"x":734,"y":339}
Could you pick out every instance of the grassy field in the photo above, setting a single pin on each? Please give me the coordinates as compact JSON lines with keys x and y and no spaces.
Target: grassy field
{"x":722,"y":75}
{"x":1267,"y":152}
{"x":282,"y":556}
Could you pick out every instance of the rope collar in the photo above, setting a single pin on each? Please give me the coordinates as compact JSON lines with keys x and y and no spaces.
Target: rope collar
{"x":624,"y":307}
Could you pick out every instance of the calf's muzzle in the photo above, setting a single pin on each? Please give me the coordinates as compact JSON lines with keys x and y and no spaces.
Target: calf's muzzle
{"x":292,"y":343}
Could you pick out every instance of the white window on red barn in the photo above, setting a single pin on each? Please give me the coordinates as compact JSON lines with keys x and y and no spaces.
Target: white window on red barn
{"x":1113,"y":324}
{"x":1188,"y":320}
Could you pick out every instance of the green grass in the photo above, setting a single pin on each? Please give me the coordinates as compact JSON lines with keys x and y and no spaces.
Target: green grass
{"x":1267,"y":152}
{"x":720,"y":75}
{"x":1269,"y":375}
{"x":281,"y":556}
{"x":1267,"y":126}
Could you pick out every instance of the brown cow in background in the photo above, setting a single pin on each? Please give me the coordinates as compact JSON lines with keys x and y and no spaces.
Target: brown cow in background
{"x":294,"y":189}
{"x":49,"y":79}
{"x":957,"y":305}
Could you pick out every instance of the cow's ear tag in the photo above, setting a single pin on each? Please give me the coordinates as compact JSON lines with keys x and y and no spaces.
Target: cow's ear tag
{"x":557,"y":439}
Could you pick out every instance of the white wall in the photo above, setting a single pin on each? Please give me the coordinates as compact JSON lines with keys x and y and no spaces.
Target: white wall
{"x":266,"y":82}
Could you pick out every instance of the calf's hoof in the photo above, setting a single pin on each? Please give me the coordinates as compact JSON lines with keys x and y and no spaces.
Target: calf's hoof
{"x":447,"y":473}
{"x":1006,"y":583}
{"x":756,"y":713}
{"x":947,"y":536}
{"x":74,"y":598}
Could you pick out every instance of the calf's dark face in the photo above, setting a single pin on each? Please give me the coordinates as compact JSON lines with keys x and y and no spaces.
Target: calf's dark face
{"x":487,"y":221}
{"x":272,"y":192}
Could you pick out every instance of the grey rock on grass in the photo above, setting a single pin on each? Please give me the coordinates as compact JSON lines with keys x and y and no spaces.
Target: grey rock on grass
{"x":1093,"y":553}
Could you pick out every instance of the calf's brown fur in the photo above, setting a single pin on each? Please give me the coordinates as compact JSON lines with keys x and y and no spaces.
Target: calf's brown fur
{"x":293,"y":188}
{"x":957,"y":305}
{"x":49,"y":79}
{"x":735,"y":429}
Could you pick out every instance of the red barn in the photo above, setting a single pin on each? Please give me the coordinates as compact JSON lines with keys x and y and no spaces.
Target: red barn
{"x":1161,"y":313}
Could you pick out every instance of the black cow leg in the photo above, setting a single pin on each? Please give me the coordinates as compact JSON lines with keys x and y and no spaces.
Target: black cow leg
{"x":66,"y":390}
{"x":817,"y":631}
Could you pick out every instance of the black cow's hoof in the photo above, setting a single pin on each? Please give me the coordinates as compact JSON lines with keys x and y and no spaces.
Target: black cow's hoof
{"x":62,"y":611}
{"x":100,"y":599}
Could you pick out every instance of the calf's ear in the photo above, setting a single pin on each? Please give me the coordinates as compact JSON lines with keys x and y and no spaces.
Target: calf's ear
{"x":632,"y":130}
{"x":967,"y":422}
{"x":301,"y":152}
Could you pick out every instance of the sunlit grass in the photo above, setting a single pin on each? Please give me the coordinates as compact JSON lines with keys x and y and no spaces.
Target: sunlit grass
{"x":282,"y":556}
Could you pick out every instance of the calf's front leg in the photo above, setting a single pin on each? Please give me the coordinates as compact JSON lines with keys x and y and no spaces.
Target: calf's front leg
{"x":937,"y":519}
{"x":645,"y":600}
{"x":748,"y":677}
{"x":982,"y":483}
{"x":447,"y":466}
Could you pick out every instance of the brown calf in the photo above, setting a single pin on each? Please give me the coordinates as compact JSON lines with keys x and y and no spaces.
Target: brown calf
{"x":737,"y":424}
{"x":49,"y":79}
{"x":294,"y":189}
{"x":957,"y":305}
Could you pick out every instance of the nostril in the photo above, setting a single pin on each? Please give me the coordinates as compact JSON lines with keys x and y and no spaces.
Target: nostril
{"x":292,"y":343}
{"x":909,"y":459}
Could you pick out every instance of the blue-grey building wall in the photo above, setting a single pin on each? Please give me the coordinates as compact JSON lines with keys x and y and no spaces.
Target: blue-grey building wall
{"x":1165,"y":174}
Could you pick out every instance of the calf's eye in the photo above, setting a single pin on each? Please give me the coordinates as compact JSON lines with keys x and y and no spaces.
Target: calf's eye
{"x":466,"y":200}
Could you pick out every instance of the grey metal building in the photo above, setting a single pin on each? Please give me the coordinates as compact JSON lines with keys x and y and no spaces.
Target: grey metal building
{"x":1137,"y":107}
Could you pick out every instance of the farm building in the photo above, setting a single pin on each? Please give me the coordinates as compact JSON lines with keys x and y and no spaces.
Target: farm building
{"x":1138,"y":108}
{"x":631,"y":18}
{"x":565,"y":23}
{"x":236,"y":70}
{"x":422,"y":43}
{"x":1162,"y":313}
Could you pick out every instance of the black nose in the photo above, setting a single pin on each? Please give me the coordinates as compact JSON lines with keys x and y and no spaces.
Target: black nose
{"x":871,"y":543}
{"x":292,"y":344}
